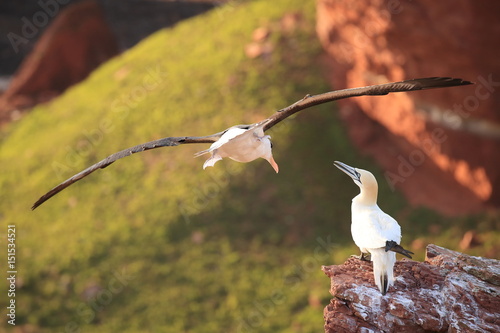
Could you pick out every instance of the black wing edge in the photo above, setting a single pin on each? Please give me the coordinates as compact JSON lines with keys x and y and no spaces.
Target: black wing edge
{"x":435,"y":82}
{"x":385,"y":88}
{"x":165,"y":142}
{"x":402,"y":86}
{"x":373,"y":90}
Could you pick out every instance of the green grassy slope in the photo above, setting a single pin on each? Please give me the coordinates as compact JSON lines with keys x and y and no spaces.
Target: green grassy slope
{"x":155,"y":244}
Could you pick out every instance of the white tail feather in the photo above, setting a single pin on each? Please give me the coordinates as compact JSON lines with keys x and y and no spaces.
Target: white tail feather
{"x":211,"y":161}
{"x":383,"y":268}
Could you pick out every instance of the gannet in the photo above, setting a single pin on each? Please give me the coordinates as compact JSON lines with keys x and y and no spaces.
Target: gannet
{"x":238,"y":139}
{"x":373,"y":231}
{"x":241,"y":145}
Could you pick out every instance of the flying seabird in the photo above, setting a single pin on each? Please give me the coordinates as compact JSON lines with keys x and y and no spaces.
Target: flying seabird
{"x":239,"y":146}
{"x":375,"y":233}
{"x":242,"y":145}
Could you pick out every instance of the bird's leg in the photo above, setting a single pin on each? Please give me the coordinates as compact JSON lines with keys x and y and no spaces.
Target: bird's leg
{"x":395,"y":247}
{"x":363,"y":256}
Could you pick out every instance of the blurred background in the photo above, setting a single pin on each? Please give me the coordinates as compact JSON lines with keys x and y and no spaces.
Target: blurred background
{"x":155,"y":244}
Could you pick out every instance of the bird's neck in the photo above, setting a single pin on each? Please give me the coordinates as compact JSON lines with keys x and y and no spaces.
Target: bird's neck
{"x":367,"y":196}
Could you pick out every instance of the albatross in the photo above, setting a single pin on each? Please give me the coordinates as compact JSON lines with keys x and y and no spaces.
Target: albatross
{"x":376,"y":233}
{"x":245,"y":143}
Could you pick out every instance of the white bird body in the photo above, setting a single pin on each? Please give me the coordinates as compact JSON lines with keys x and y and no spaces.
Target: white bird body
{"x":371,"y":227}
{"x":241,"y":145}
{"x":373,"y":231}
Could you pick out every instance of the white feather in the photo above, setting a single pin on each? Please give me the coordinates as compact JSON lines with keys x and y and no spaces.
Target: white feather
{"x":241,"y":145}
{"x":383,"y":266}
{"x":212,"y":160}
{"x":371,"y":227}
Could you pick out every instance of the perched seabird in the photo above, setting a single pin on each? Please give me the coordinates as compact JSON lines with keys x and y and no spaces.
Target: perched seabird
{"x":374,"y":232}
{"x":237,"y":142}
{"x":242,"y":145}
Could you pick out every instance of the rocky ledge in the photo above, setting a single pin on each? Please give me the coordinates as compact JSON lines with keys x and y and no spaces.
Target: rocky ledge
{"x":449,"y":292}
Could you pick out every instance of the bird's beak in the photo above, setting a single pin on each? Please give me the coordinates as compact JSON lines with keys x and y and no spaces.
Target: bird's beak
{"x":273,"y":164}
{"x":350,"y":171}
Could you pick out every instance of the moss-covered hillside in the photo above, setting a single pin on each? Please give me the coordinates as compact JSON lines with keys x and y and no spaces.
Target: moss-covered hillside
{"x":155,"y":244}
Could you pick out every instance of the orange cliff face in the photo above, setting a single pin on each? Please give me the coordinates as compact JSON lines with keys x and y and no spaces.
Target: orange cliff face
{"x":440,"y":147}
{"x":76,"y":42}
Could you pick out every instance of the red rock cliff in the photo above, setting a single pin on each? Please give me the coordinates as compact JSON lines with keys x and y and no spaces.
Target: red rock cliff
{"x":441,"y":148}
{"x":75,"y":43}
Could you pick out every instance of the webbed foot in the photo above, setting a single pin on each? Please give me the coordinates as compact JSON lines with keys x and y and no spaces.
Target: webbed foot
{"x":363,"y":256}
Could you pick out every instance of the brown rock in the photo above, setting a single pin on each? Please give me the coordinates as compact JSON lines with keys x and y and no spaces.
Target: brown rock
{"x":437,"y":146}
{"x":449,"y":292}
{"x":76,"y":42}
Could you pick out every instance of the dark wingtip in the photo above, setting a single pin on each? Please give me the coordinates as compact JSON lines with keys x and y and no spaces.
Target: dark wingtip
{"x":37,"y":203}
{"x":407,"y":255}
{"x":395,"y":247}
{"x":438,"y":82}
{"x":385,"y":284}
{"x":51,"y":193}
{"x":389,"y":245}
{"x":460,"y":82}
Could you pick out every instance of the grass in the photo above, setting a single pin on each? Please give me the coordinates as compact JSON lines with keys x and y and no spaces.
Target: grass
{"x":155,"y":244}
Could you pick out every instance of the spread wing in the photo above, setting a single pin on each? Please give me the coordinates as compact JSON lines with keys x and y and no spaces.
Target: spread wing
{"x":165,"y":142}
{"x":304,"y":103}
{"x":375,"y":90}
